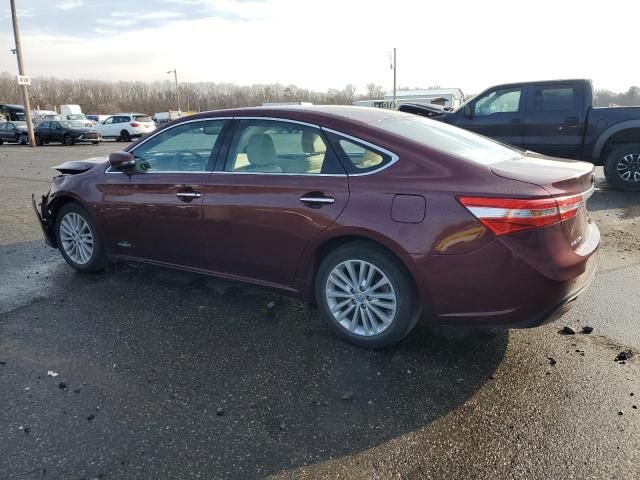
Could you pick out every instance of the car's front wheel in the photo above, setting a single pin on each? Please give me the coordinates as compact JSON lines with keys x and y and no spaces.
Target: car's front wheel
{"x":368,"y":297}
{"x":24,"y":139}
{"x":78,"y":239}
{"x":67,"y":140}
{"x":622,"y":167}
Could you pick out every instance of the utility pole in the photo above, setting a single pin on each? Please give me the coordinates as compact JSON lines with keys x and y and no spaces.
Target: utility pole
{"x":394,"y":77}
{"x":175,"y":75}
{"x":23,"y":86}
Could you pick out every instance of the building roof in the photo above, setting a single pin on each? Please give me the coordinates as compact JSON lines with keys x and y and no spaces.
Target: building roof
{"x":427,"y":92}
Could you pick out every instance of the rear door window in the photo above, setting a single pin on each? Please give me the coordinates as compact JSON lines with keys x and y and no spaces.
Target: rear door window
{"x":554,"y":98}
{"x":280,"y":147}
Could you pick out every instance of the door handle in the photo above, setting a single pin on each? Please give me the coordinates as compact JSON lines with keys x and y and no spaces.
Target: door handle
{"x":571,"y":120}
{"x":516,"y":121}
{"x":317,"y":199}
{"x":188,"y":196}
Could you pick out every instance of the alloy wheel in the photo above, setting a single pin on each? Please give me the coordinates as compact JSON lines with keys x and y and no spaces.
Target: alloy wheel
{"x":361,"y":297}
{"x":76,"y":238}
{"x":628,"y":167}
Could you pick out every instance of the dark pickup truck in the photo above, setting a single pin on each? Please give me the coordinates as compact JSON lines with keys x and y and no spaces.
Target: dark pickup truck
{"x":555,"y":118}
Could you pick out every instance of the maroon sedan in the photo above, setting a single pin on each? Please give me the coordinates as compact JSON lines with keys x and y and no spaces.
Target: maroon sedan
{"x":375,"y":215}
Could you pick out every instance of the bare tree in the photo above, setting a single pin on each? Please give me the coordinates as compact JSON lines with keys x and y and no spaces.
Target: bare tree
{"x":374,"y":91}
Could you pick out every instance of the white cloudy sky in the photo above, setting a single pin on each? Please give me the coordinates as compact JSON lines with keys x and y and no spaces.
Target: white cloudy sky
{"x":321,"y":44}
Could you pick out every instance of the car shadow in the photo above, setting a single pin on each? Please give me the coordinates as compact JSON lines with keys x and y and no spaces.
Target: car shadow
{"x":181,"y":374}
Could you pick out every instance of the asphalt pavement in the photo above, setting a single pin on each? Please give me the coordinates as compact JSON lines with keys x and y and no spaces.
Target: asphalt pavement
{"x":142,"y":372}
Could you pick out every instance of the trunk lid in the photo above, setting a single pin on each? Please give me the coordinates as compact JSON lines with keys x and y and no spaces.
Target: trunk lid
{"x":562,"y":179}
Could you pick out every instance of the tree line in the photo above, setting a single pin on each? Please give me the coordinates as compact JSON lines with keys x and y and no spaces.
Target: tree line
{"x":102,"y":97}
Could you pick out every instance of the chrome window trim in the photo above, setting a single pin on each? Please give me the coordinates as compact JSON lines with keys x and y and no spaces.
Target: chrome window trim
{"x":282,"y":174}
{"x":394,"y":157}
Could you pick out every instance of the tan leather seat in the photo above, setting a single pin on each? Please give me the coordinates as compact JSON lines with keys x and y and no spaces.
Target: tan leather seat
{"x":261,"y":155}
{"x":315,"y":148}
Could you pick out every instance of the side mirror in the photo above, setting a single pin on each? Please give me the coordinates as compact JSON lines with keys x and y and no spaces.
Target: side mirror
{"x":121,"y":160}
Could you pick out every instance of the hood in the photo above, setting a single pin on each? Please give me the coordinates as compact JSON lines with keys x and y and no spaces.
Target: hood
{"x":78,"y":166}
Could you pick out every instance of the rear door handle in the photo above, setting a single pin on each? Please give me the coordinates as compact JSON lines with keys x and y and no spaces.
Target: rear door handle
{"x":310,"y":199}
{"x":516,"y":121}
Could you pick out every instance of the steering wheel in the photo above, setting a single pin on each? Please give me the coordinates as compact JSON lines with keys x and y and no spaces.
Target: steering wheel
{"x":190,"y":160}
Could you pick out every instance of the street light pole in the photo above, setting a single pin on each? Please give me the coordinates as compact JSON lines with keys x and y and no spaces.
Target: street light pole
{"x":175,"y":75}
{"x":23,"y":87}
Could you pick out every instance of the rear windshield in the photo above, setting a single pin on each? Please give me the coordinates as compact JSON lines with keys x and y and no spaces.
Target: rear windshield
{"x":449,"y":139}
{"x":142,"y":118}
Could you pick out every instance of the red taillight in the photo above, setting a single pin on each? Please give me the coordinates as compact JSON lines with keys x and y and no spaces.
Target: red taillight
{"x":134,"y":124}
{"x":508,"y":215}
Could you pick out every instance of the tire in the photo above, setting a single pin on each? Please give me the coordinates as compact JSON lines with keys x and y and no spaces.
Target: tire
{"x":397,"y":285}
{"x":622,"y":162}
{"x":125,"y":136}
{"x":67,"y":140}
{"x":67,"y":222}
{"x":96,"y":143}
{"x":1,"y":141}
{"x":39,"y":142}
{"x":24,"y":139}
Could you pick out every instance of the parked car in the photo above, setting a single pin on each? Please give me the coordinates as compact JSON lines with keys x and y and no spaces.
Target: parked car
{"x":67,"y":132}
{"x":558,"y":118}
{"x":12,"y":112}
{"x":14,"y":132}
{"x":51,"y":116}
{"x":126,"y":126}
{"x":375,"y":215}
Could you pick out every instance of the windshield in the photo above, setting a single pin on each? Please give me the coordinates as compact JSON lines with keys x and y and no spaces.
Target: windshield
{"x":76,"y":116}
{"x":72,"y":124}
{"x":20,"y":124}
{"x":449,"y":139}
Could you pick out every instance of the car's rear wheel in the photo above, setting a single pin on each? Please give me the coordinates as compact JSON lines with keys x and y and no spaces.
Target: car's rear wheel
{"x":622,"y":167}
{"x":125,"y":136}
{"x":78,"y":239}
{"x":67,"y":140}
{"x":368,"y":297}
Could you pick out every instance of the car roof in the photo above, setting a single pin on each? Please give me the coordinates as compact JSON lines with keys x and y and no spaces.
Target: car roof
{"x":539,"y":82}
{"x":312,"y":113}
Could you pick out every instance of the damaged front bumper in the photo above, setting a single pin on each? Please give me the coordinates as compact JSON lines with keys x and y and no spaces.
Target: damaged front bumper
{"x":44,"y":217}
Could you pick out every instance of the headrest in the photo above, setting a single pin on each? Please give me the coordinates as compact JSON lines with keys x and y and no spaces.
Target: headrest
{"x":312,"y":143}
{"x":261,"y":150}
{"x":370,"y":159}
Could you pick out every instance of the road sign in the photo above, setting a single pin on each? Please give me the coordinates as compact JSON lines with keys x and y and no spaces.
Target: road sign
{"x":24,"y":80}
